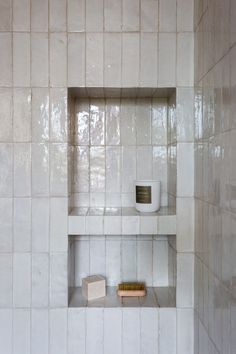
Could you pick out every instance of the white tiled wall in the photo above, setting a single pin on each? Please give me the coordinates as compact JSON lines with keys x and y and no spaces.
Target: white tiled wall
{"x":46,"y":47}
{"x":118,"y":141}
{"x":215,"y":58}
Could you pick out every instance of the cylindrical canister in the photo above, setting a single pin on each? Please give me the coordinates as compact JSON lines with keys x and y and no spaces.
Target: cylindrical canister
{"x":147,"y":195}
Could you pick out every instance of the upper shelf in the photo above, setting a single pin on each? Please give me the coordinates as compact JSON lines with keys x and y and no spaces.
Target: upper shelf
{"x":121,"y":221}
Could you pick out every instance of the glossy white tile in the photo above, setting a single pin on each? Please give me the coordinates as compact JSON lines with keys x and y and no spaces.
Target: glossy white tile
{"x":39,"y":60}
{"x":21,"y":15}
{"x":22,"y":225}
{"x":39,"y":331}
{"x":39,"y":16}
{"x":40,"y":280}
{"x":76,"y":59}
{"x":6,"y":59}
{"x":22,"y":280}
{"x":21,"y":59}
{"x":57,"y":15}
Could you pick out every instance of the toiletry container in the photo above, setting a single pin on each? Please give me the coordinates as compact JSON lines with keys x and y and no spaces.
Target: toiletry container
{"x":147,"y":195}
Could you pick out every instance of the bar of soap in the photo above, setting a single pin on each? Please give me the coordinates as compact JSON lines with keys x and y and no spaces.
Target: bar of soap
{"x":94,"y":287}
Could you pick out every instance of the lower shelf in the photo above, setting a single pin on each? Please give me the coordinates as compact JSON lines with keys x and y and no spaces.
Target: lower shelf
{"x":156,"y":297}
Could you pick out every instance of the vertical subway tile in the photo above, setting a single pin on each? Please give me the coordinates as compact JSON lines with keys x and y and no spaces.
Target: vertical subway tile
{"x":149,"y":15}
{"x":97,"y":122}
{"x":58,"y":280}
{"x":57,"y":15}
{"x":129,"y":259}
{"x":40,"y":279}
{"x":6,"y":178}
{"x":6,"y":330}
{"x":40,"y":170}
{"x":185,"y":328}
{"x":149,"y":60}
{"x":39,"y":331}
{"x":112,"y":15}
{"x":39,"y":59}
{"x":76,"y":330}
{"x":185,"y":286}
{"x":81,"y":168}
{"x":94,"y":16}
{"x":6,"y":115}
{"x":94,"y":331}
{"x":97,"y":169}
{"x":58,"y":169}
{"x":128,"y":168}
{"x":149,"y":330}
{"x":113,"y":165}
{"x":130,"y":15}
{"x":21,"y":15}
{"x":185,"y":224}
{"x":143,"y":122}
{"x":113,"y":261}
{"x":112,"y":334}
{"x":82,"y":133}
{"x":167,"y":16}
{"x":39,"y":16}
{"x":76,"y":59}
{"x":131,"y":331}
{"x":185,"y":169}
{"x":130,"y":60}
{"x":5,"y":58}
{"x":22,"y":225}
{"x":6,"y":15}
{"x":160,"y":263}
{"x":40,"y":224}
{"x":21,"y":59}
{"x":58,"y":60}
{"x":58,"y":224}
{"x":22,"y":170}
{"x":58,"y":331}
{"x":185,"y":114}
{"x":97,"y":256}
{"x":159,"y":121}
{"x":112,"y":59}
{"x":185,"y":23}
{"x":22,"y":115}
{"x":40,"y":115}
{"x":21,"y":331}
{"x":185,"y":51}
{"x":167,"y":325}
{"x":128,"y":122}
{"x":76,"y":15}
{"x":167,"y":60}
{"x":82,"y":249}
{"x":94,"y":62}
{"x":58,"y":114}
{"x":113,"y":121}
{"x":21,"y":280}
{"x":144,"y":261}
{"x":6,"y":224}
{"x":144,"y":162}
{"x":6,"y":280}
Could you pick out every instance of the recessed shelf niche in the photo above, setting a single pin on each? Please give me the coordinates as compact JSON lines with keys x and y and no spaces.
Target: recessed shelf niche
{"x":117,"y":136}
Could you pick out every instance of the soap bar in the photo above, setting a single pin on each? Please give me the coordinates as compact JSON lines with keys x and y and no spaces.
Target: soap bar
{"x":94,"y":287}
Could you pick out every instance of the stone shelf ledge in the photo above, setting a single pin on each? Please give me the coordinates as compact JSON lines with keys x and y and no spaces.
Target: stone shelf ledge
{"x":161,"y":297}
{"x":121,"y":221}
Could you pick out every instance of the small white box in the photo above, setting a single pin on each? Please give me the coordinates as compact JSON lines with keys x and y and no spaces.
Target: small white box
{"x":93,"y":287}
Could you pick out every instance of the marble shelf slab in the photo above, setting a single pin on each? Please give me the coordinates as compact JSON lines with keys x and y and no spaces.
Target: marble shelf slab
{"x":156,"y":297}
{"x":121,"y":221}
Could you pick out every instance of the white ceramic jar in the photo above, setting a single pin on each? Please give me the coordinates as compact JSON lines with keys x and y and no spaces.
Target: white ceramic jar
{"x":147,"y":195}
